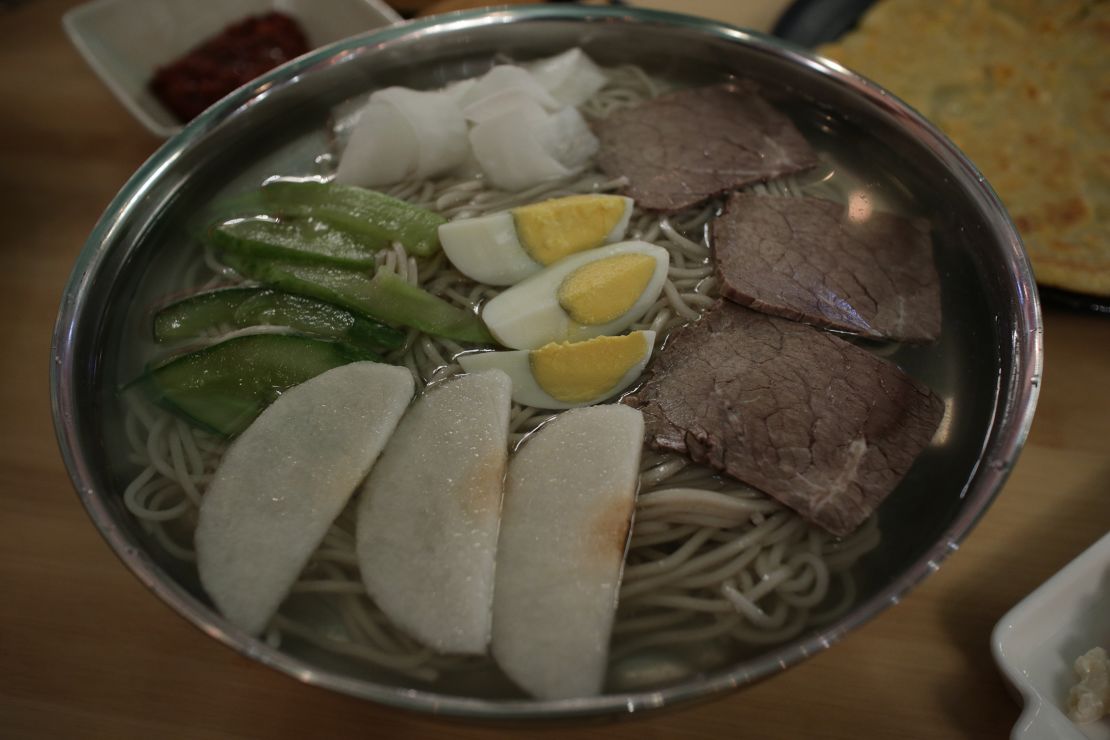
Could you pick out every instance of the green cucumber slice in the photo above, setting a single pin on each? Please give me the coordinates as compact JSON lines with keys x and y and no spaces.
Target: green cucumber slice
{"x":317,"y":318}
{"x":225,"y":386}
{"x":307,"y":239}
{"x":243,"y":307}
{"x":193,"y":316}
{"x":384,"y":296}
{"x":372,"y":215}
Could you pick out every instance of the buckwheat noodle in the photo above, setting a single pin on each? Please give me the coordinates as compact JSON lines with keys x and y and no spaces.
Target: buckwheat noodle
{"x":710,"y":561}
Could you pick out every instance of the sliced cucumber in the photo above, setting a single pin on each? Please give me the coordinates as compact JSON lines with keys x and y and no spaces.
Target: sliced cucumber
{"x":304,"y":239}
{"x":191,"y":317}
{"x":243,"y":307}
{"x":317,"y":318}
{"x":225,"y":386}
{"x":366,"y":213}
{"x":384,"y":296}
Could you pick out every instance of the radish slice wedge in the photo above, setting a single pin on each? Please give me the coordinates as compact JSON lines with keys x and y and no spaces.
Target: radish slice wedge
{"x":427,"y":521}
{"x":439,"y":125}
{"x":572,"y":78}
{"x":509,"y":153}
{"x":284,"y":481}
{"x":496,"y":105}
{"x":565,"y":523}
{"x":382,"y":149}
{"x":567,"y":137}
{"x":505,"y":78}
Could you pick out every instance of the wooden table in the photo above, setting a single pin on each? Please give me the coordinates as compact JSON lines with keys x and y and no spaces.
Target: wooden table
{"x":86,"y":651}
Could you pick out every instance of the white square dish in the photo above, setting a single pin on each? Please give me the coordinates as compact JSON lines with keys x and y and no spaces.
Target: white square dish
{"x":1037,"y":642}
{"x":125,"y":41}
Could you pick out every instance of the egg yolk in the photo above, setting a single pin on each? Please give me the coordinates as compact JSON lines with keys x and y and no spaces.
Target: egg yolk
{"x":605,"y":289}
{"x":575,"y":372}
{"x":553,"y":229}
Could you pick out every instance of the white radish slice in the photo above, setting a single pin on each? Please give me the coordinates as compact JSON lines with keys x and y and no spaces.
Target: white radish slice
{"x":470,"y":168}
{"x":508,"y":78}
{"x":457,"y":89}
{"x":568,"y":509}
{"x":510,"y":148}
{"x":438,"y":123}
{"x":427,"y":522}
{"x":285,"y":479}
{"x":567,"y":137}
{"x":497,"y":104}
{"x":572,"y":78}
{"x":382,"y":149}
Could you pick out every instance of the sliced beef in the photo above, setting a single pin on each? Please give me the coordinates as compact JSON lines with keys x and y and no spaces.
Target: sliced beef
{"x":687,"y":146}
{"x":814,"y":421}
{"x":828,"y":264}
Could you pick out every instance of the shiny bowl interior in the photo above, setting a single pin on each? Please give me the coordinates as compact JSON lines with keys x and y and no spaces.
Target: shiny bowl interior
{"x":987,"y":365}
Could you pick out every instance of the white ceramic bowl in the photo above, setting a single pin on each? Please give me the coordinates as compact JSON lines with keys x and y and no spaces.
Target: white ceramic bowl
{"x":125,"y":41}
{"x":1037,"y":642}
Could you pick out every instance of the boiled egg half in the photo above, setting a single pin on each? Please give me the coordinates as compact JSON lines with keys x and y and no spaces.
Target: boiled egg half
{"x":506,"y":247}
{"x":589,"y":294}
{"x":563,"y":375}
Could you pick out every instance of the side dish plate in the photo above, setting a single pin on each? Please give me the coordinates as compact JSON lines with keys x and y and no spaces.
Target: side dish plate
{"x":125,"y":41}
{"x":1037,"y":642}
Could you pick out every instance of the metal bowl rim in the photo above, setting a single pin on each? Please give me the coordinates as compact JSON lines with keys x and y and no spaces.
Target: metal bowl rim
{"x":1006,"y":437}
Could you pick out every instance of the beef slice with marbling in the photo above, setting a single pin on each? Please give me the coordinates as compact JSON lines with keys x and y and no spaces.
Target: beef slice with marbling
{"x":812,"y":420}
{"x":832,"y":265}
{"x":685,"y":147}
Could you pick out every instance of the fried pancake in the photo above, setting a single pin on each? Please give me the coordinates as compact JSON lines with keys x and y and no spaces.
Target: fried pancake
{"x":1023,"y":88}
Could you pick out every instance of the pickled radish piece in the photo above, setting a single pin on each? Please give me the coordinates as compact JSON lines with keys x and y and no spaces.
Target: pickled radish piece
{"x":438,"y":123}
{"x":527,"y":129}
{"x":382,"y":149}
{"x":459,"y":88}
{"x":285,"y":479}
{"x":568,"y":509}
{"x":526,"y":145}
{"x":572,"y":78}
{"x":428,"y":518}
{"x":567,"y":137}
{"x":496,"y":105}
{"x":506,"y":78}
{"x":508,"y":151}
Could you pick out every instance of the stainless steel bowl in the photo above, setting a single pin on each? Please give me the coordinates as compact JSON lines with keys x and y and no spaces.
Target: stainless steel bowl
{"x":987,"y":364}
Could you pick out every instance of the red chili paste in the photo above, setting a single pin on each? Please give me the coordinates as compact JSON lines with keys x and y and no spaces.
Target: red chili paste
{"x":235,"y":56}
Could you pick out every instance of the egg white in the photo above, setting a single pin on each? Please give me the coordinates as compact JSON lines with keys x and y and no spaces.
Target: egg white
{"x":528,"y":392}
{"x":528,"y":315}
{"x":487,"y":248}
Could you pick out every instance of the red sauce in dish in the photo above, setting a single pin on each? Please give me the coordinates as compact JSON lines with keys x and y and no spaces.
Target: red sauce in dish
{"x":235,"y":56}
